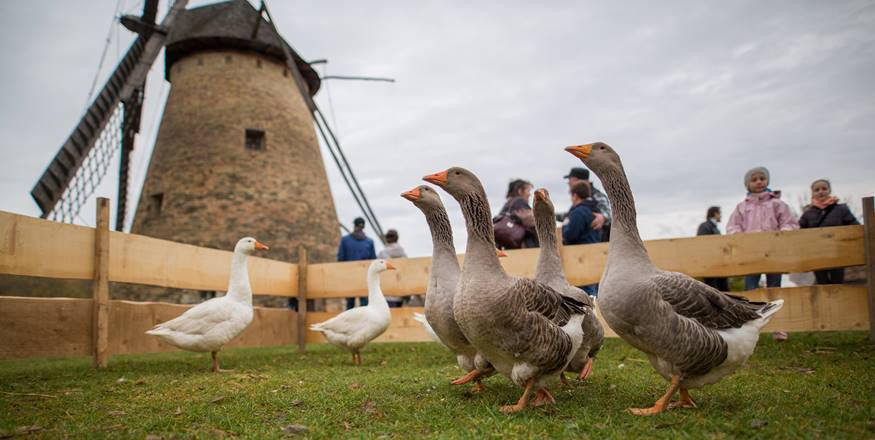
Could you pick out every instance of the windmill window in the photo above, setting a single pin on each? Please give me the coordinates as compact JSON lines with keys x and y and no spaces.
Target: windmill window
{"x":285,"y":72}
{"x":155,"y":202}
{"x":258,"y":63}
{"x":200,"y":61}
{"x":255,"y":139}
{"x":227,"y":59}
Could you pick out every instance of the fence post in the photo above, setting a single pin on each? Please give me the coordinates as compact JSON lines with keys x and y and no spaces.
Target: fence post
{"x":100,"y":288}
{"x":302,"y":298}
{"x":869,"y":248}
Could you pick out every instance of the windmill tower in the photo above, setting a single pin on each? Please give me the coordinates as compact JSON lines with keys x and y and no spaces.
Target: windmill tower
{"x":236,"y":153}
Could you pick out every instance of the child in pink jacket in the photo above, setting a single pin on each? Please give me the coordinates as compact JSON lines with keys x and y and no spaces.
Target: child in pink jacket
{"x":762,"y":210}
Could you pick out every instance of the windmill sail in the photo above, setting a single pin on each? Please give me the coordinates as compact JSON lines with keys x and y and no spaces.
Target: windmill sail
{"x":111,"y":119}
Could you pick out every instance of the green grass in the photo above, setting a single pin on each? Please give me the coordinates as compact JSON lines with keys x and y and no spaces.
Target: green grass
{"x":813,"y":385}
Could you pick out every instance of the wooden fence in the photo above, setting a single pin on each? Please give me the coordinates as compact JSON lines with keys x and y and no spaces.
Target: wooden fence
{"x":100,"y":326}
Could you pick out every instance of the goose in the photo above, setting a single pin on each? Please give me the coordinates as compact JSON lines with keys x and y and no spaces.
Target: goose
{"x":213,"y":323}
{"x":550,"y":272}
{"x":443,"y":282}
{"x":693,"y":334}
{"x":527,"y":331}
{"x":354,"y":328}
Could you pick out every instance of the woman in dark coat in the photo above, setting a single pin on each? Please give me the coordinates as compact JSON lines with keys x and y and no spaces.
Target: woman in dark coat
{"x":825,"y":210}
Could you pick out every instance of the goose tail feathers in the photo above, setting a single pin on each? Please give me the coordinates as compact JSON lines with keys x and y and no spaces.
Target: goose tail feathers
{"x":770,"y":309}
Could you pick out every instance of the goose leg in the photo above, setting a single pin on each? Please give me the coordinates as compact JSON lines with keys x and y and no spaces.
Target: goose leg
{"x":586,"y":370}
{"x":524,"y":400}
{"x":216,"y":369}
{"x":472,"y":375}
{"x":354,"y":359}
{"x":478,"y":386}
{"x":563,"y":379}
{"x":543,"y":397}
{"x":686,"y":401}
{"x":662,"y":403}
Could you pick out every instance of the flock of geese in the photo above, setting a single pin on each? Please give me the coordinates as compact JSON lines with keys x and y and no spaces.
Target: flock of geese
{"x":531,"y":331}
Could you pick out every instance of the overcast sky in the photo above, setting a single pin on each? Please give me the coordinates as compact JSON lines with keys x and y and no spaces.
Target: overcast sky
{"x":691,"y":94}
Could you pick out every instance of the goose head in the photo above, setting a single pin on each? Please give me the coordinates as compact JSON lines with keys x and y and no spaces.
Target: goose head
{"x":543,"y":204}
{"x":248,"y":245}
{"x":424,"y":197}
{"x":457,"y":181}
{"x":599,"y":156}
{"x":380,"y":266}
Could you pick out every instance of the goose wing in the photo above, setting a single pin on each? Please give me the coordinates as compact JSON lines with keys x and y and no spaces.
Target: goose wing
{"x":548,"y":302}
{"x":705,"y":304}
{"x":201,"y":318}
{"x":532,"y":321}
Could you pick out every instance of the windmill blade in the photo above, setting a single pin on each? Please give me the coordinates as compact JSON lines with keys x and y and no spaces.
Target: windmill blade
{"x":123,"y":86}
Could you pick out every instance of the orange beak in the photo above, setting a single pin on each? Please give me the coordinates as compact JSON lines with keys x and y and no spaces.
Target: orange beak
{"x":439,"y":179}
{"x":412,"y":195}
{"x":580,"y":151}
{"x":261,"y":246}
{"x":541,"y":195}
{"x":389,"y":266}
{"x":500,"y":253}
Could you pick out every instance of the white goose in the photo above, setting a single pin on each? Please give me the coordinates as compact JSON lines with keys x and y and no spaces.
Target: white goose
{"x":213,"y":323}
{"x":693,"y":334}
{"x":354,"y":328}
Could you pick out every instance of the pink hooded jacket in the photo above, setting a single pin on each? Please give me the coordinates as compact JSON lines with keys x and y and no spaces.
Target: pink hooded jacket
{"x":760,"y":212}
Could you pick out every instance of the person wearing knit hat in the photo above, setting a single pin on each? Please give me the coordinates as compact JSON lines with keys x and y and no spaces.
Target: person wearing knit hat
{"x":825,"y":210}
{"x":761,"y":210}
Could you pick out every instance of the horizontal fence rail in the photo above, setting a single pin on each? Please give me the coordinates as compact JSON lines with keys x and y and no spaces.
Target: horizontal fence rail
{"x":41,"y":248}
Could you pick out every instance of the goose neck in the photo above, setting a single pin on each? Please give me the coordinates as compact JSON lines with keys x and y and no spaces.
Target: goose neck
{"x":239,"y":288}
{"x":625,"y":241}
{"x":480,"y":251}
{"x":375,"y":293}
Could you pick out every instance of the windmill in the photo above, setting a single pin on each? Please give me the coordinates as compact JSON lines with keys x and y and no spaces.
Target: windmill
{"x":226,"y":32}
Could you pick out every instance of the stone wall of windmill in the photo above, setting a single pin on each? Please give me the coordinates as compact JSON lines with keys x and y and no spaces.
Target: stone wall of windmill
{"x":236,"y":155}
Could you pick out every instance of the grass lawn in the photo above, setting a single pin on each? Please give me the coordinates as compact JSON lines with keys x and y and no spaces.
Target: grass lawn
{"x":813,"y":385}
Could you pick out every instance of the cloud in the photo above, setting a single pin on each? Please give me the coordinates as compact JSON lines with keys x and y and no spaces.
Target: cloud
{"x":690,"y":95}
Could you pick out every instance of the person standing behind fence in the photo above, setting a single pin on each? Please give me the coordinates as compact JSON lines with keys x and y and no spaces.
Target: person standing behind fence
{"x":353,"y":247}
{"x":392,"y":250}
{"x":602,"y":214}
{"x":514,"y":226}
{"x":825,"y":210}
{"x":709,"y":227}
{"x":577,"y":227}
{"x":761,"y":211}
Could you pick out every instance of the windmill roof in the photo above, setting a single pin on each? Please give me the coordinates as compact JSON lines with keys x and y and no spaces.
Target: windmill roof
{"x":229,"y":25}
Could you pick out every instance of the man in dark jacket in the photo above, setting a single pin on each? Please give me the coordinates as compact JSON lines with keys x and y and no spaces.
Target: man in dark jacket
{"x":602,"y":212}
{"x":356,"y":246}
{"x":577,"y":227}
{"x":709,"y":227}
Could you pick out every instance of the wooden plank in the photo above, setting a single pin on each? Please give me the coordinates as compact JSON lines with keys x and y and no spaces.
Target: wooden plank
{"x":145,"y":260}
{"x":35,"y":247}
{"x":42,"y":248}
{"x":869,"y":249}
{"x":302,"y":298}
{"x":130,"y":319}
{"x":36,"y":327}
{"x":100,"y":288}
{"x":728,"y":255}
{"x":712,"y":255}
